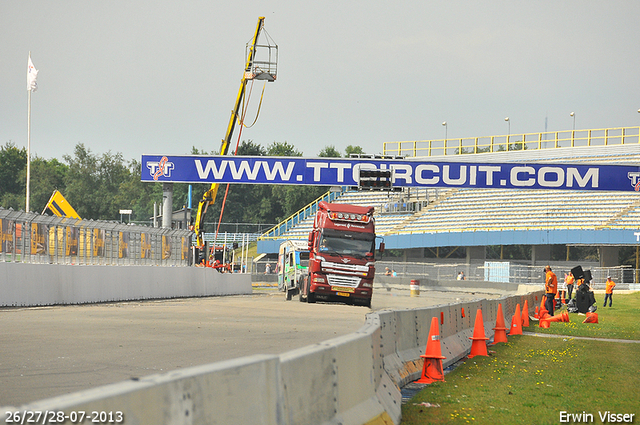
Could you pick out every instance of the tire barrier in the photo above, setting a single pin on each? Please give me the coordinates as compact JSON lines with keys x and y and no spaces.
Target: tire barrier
{"x":352,"y":379}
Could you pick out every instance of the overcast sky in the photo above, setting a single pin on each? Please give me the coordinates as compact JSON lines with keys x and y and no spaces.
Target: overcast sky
{"x":158,"y":77}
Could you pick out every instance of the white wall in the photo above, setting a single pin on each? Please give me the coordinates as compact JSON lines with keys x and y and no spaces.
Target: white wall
{"x":25,"y":285}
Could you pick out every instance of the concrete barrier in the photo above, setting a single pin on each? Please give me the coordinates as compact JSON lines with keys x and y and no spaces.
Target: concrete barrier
{"x":218,"y":393}
{"x":353,"y":379}
{"x":26,"y":285}
{"x":264,"y":278}
{"x":328,"y":382}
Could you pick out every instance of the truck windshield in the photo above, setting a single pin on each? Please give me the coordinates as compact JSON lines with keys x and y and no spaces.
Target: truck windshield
{"x":304,"y":259}
{"x":346,"y":243}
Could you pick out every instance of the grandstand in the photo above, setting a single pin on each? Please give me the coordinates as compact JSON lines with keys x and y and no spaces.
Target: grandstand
{"x":480,"y":217}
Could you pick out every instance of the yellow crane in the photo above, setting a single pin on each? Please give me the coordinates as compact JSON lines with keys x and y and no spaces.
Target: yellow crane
{"x":255,"y":69}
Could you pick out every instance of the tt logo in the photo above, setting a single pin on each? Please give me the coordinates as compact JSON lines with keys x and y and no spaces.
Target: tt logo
{"x":161,"y":168}
{"x":634,"y":176}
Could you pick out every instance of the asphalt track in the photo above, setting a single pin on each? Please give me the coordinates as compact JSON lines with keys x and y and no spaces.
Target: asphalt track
{"x":51,"y":351}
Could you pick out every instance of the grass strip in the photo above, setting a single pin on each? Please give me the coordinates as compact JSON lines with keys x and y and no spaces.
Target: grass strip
{"x":621,"y":321}
{"x":532,"y":380}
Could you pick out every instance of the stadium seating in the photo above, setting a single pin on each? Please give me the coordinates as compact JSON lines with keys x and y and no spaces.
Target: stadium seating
{"x":467,"y":210}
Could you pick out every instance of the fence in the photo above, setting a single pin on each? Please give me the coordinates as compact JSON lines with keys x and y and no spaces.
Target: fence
{"x":502,"y":271}
{"x":225,"y":238}
{"x":35,"y":238}
{"x":491,"y":271}
{"x":515,"y":142}
{"x":239,"y":233}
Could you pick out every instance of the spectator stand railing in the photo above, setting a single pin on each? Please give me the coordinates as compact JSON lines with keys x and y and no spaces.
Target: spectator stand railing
{"x":515,"y":142}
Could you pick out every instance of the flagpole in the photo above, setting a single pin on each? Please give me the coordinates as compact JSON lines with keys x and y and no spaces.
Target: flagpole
{"x":28,"y":144}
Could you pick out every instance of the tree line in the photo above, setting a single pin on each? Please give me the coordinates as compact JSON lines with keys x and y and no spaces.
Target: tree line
{"x":98,"y":186}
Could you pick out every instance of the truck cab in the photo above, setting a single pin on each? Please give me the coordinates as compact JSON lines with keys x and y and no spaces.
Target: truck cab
{"x":342,"y":247}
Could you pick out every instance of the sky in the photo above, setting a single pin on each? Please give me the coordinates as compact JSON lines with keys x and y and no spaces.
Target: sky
{"x":160,"y":77}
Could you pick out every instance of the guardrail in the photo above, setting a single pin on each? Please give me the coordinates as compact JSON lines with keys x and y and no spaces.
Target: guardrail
{"x":353,"y":379}
{"x":515,"y":142}
{"x":28,"y":237}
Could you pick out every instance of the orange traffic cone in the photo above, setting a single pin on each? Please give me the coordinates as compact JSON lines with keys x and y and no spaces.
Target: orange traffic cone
{"x":556,"y":318}
{"x":543,"y":310}
{"x":544,"y":323}
{"x":516,"y":323}
{"x":562,"y":317}
{"x":432,"y":367}
{"x":536,"y":315}
{"x":478,"y":346}
{"x":525,"y":314}
{"x":501,"y":331}
{"x":591,"y":318}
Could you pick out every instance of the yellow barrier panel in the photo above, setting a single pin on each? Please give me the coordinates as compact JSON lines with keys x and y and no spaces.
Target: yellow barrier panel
{"x":60,"y":206}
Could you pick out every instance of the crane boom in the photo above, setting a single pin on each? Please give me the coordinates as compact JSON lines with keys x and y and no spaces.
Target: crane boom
{"x":209,"y":196}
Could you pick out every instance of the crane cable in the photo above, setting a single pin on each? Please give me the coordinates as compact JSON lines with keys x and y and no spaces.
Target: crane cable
{"x":259,"y":107}
{"x":244,"y":112}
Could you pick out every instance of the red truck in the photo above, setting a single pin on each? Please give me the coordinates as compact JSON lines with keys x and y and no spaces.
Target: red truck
{"x":341,"y":255}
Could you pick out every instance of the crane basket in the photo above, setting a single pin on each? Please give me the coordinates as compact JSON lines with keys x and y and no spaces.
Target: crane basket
{"x":264,"y":65}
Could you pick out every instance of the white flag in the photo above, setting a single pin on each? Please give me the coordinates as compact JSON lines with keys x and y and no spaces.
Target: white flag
{"x":32,"y":74}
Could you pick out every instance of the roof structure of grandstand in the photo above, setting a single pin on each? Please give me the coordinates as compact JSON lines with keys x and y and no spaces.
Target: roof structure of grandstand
{"x":431,"y":217}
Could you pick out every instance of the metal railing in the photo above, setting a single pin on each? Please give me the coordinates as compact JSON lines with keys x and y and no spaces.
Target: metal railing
{"x":35,"y":238}
{"x":515,"y":142}
{"x":501,"y":271}
{"x":224,"y":238}
{"x":302,"y":214}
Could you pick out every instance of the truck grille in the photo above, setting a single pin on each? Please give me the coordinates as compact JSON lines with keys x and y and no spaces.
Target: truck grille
{"x":336,"y":280}
{"x":347,"y":274}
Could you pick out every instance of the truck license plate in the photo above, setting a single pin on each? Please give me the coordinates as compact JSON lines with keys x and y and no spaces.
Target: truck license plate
{"x":343,"y":294}
{"x":342,"y":289}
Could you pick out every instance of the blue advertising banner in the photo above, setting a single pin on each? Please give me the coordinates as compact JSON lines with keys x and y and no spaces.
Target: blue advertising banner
{"x":405,"y":173}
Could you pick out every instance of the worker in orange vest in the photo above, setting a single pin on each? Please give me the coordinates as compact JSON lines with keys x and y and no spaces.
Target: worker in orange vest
{"x":569,"y":280}
{"x":550,"y":288}
{"x":609,"y":291}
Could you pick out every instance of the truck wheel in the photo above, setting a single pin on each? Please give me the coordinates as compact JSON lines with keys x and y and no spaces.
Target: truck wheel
{"x":311,"y":297}
{"x":302,"y":285}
